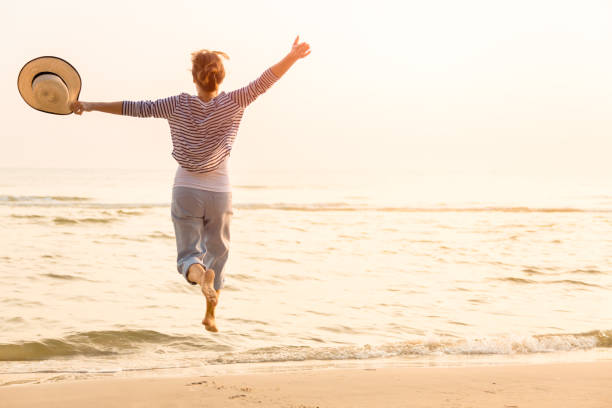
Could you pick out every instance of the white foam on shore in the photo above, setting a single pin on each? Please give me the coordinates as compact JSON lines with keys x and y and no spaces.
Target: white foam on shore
{"x":430,"y":345}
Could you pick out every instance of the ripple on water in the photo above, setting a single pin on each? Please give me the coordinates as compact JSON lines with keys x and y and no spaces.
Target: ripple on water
{"x":512,"y":279}
{"x":339,"y":329}
{"x":318,"y":313}
{"x":515,"y":280}
{"x":64,"y":277}
{"x":248,"y":321}
{"x":27,"y":216}
{"x":89,"y":220}
{"x":533,"y":271}
{"x":137,"y":238}
{"x":281,"y":260}
{"x":129,"y":212}
{"x":458,"y":323}
{"x":21,"y":302}
{"x":575,"y":282}
{"x":588,"y":271}
{"x":64,"y":221}
{"x":160,"y":235}
{"x":49,"y":256}
{"x":243,"y":277}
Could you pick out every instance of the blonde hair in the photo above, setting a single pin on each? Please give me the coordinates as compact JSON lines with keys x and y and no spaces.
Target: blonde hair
{"x":207,"y":69}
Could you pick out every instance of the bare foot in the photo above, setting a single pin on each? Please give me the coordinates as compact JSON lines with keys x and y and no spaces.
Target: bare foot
{"x":211,"y":327}
{"x":208,"y":288}
{"x":209,"y":320}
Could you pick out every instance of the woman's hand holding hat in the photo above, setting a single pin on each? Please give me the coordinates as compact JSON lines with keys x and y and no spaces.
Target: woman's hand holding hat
{"x":79,"y":107}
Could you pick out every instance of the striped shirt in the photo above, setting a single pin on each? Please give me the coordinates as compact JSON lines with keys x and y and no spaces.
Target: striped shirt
{"x":203,"y":133}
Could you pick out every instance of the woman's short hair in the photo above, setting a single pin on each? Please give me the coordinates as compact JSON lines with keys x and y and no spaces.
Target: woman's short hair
{"x":207,"y":69}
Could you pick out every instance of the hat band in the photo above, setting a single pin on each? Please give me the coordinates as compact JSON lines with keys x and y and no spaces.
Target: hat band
{"x":47,"y":73}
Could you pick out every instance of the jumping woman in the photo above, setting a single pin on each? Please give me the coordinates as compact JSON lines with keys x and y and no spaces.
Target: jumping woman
{"x":203,"y":130}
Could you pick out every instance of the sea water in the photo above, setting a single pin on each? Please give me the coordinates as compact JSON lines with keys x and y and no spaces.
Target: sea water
{"x":323,"y":268}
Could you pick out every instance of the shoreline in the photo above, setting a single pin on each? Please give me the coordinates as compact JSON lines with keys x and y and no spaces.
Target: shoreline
{"x":577,"y":384}
{"x":108,"y":369}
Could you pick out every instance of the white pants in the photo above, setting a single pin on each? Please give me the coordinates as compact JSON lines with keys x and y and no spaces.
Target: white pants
{"x":201,"y":224}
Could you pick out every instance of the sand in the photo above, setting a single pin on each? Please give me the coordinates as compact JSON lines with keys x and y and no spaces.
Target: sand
{"x":581,"y":385}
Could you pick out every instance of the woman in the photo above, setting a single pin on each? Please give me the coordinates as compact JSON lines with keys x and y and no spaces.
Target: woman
{"x":203,"y":130}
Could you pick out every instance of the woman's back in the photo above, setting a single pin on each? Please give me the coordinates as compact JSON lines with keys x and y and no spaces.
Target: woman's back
{"x":203,"y":133}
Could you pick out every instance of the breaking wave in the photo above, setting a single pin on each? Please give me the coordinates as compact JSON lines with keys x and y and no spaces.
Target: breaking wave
{"x":109,"y":343}
{"x":433,"y":345}
{"x":91,"y":344}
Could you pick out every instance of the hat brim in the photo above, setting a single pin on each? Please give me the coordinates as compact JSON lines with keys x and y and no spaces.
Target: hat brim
{"x":53,"y":65}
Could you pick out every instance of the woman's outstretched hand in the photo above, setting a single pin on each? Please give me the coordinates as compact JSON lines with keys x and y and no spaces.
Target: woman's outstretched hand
{"x":299,"y":49}
{"x":79,"y":107}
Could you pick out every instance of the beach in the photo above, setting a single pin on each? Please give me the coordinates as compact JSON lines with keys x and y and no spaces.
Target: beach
{"x":584,"y":385}
{"x":419,"y":214}
{"x":337,"y":294}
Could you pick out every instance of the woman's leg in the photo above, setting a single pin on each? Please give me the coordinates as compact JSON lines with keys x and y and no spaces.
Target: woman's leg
{"x":217,"y":234}
{"x":188,"y":219}
{"x":216,"y":242}
{"x":205,"y":278}
{"x":188,"y":209}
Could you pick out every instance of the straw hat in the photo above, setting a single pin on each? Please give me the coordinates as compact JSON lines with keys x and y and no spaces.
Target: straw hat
{"x":49,"y":84}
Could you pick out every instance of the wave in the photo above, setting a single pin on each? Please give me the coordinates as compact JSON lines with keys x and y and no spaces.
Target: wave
{"x":114,"y":343}
{"x":588,"y":271}
{"x":348,"y":208}
{"x":69,"y":221}
{"x":126,"y":208}
{"x":160,"y":235}
{"x":433,"y":345}
{"x":129,"y":212}
{"x":136,"y":208}
{"x":91,"y":344}
{"x":63,"y":276}
{"x":253,"y":187}
{"x":36,"y":198}
{"x":280,"y":260}
{"x":65,"y":220}
{"x":28,"y":216}
{"x":547,"y":282}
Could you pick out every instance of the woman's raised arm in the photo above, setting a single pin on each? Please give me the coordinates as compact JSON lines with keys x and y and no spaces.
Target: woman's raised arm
{"x":246,"y":95}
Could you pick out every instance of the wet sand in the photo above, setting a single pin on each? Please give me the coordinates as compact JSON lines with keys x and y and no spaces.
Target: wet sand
{"x":581,"y":385}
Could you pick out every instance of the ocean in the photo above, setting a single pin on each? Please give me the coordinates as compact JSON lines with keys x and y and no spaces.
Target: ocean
{"x":347,"y":268}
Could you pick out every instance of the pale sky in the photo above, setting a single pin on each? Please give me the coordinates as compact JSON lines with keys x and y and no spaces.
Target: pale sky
{"x":390,"y":85}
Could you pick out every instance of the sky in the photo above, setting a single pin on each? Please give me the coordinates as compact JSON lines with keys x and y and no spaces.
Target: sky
{"x":391,"y":86}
